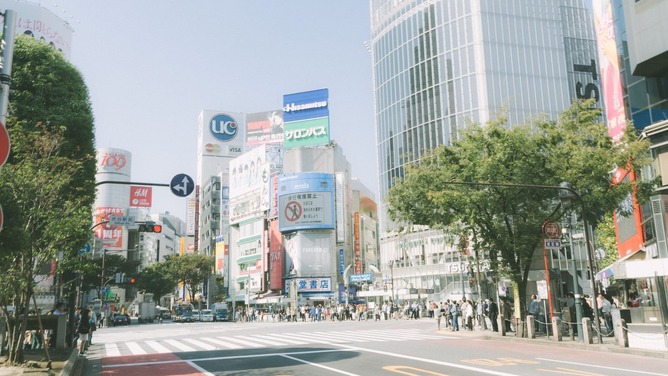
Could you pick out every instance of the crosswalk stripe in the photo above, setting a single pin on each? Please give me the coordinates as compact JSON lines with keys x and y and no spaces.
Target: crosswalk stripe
{"x":316,"y":338}
{"x":348,"y":337}
{"x":158,"y":347}
{"x":268,"y":340}
{"x":244,"y":342}
{"x":179,"y":345}
{"x":135,"y":349}
{"x":222,"y":343}
{"x":262,"y":340}
{"x":396,"y":336}
{"x":290,"y":341}
{"x":111,"y":349}
{"x":201,"y":344}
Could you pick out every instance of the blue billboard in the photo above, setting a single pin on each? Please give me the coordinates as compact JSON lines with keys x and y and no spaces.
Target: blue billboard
{"x":306,"y":105}
{"x":306,"y":201}
{"x":306,"y":119}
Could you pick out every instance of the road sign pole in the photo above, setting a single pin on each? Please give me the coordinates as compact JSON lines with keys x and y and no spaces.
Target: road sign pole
{"x":547,"y":270}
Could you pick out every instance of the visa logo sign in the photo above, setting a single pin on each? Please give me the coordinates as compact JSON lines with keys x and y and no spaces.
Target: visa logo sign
{"x":235,"y":149}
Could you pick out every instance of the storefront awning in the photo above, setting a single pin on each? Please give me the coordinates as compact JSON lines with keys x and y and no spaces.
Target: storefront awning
{"x":618,"y":268}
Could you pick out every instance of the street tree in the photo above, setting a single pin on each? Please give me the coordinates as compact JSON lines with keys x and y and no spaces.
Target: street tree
{"x":47,"y":186}
{"x":502,"y":222}
{"x":156,"y":279}
{"x":191,"y":270}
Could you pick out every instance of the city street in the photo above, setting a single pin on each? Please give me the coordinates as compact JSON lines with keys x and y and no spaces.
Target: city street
{"x":404,"y":347}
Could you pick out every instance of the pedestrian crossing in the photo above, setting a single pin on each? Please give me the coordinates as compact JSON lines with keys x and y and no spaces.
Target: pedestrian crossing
{"x":255,"y":341}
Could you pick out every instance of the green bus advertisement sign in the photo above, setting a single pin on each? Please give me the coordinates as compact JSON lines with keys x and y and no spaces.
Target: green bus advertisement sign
{"x":309,"y":132}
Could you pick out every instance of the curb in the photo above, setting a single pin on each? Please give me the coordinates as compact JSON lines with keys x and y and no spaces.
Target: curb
{"x":605,"y":347}
{"x":73,"y":366}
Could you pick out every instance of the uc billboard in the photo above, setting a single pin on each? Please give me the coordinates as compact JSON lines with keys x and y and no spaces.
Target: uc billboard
{"x":306,"y":119}
{"x":306,"y":201}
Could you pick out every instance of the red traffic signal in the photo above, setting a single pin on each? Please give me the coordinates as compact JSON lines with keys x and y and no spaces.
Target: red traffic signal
{"x":132,"y":280}
{"x":150,"y":227}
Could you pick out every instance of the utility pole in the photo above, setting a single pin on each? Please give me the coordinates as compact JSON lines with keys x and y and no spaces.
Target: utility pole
{"x":7,"y":60}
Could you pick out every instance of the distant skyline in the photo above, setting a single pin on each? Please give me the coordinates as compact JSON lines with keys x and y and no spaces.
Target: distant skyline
{"x":152,"y":66}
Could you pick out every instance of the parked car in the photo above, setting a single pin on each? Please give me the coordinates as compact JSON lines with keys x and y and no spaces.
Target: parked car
{"x":119,"y":319}
{"x":206,"y":315}
{"x":196,"y":316}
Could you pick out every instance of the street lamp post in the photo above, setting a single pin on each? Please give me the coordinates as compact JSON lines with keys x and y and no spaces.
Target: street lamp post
{"x":576,"y":284}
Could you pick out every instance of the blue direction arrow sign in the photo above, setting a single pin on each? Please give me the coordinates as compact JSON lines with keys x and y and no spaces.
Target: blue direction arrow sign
{"x":182,"y":185}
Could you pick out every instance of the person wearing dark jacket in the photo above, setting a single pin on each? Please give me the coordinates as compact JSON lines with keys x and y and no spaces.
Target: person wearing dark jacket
{"x":84,"y":328}
{"x":493,"y":315}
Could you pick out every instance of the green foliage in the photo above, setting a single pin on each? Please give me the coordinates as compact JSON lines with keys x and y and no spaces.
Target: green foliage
{"x":191,"y":269}
{"x":505,"y":222}
{"x":156,"y":279}
{"x":607,"y":241}
{"x":47,"y":188}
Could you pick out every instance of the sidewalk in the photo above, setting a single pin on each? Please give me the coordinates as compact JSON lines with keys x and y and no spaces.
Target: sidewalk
{"x":608,"y":344}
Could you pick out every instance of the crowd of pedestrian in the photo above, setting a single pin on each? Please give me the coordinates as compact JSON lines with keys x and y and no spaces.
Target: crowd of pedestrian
{"x":450,"y":314}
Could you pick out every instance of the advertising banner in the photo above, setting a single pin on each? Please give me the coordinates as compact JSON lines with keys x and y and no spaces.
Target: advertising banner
{"x":306,"y":117}
{"x":141,"y":197}
{"x":613,"y":95}
{"x":42,"y":24}
{"x":306,"y":105}
{"x":191,"y":210}
{"x":111,"y":236}
{"x":311,"y":285}
{"x":245,"y":207}
{"x":310,"y":132}
{"x":357,"y":245}
{"x":221,"y":134}
{"x":340,"y":200}
{"x":273,"y":201}
{"x":249,"y":172}
{"x":275,"y":257}
{"x":264,"y":128}
{"x":310,"y":253}
{"x":113,"y":161}
{"x":306,"y":201}
{"x":220,"y":256}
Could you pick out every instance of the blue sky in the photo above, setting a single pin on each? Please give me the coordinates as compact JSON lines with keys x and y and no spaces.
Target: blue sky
{"x":151,"y":66}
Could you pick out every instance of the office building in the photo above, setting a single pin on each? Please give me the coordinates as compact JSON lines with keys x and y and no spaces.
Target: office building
{"x":441,"y":65}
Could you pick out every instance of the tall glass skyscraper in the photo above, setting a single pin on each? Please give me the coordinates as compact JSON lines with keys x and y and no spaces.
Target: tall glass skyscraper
{"x":440,"y":65}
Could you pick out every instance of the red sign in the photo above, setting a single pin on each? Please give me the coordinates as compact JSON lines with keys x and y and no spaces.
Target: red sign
{"x":551,"y":229}
{"x":111,"y":235}
{"x":140,"y":197}
{"x":4,"y":144}
{"x":293,"y":210}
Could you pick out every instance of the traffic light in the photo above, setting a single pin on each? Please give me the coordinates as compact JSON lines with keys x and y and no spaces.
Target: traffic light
{"x":150,"y":227}
{"x":132,"y":281}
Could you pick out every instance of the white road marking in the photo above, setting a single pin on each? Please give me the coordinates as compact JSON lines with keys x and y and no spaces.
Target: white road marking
{"x":604,"y":367}
{"x":179,"y":345}
{"x":111,"y":349}
{"x":135,"y":349}
{"x":158,"y":347}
